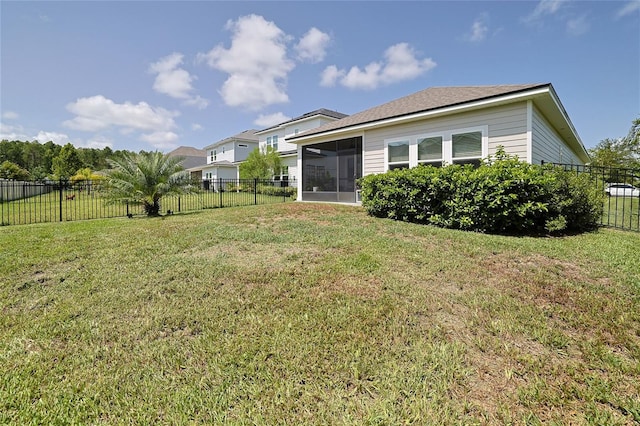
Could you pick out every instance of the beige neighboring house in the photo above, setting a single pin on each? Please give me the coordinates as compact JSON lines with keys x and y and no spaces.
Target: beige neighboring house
{"x":437,"y":126}
{"x":223,"y":158}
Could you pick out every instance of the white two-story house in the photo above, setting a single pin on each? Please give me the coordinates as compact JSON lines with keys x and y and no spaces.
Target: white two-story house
{"x":224,"y":157}
{"x":276,"y":138}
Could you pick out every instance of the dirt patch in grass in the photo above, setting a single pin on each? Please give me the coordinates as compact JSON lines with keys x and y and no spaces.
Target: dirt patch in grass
{"x":367,"y":288}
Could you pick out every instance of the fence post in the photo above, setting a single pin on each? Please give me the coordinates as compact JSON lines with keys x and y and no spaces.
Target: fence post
{"x":255,"y":191}
{"x":220,"y":189}
{"x":178,"y":204}
{"x":61,"y":193}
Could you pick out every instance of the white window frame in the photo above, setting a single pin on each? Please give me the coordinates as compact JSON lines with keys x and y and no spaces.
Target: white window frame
{"x":274,"y":142}
{"x":447,"y":145}
{"x":410,"y":141}
{"x":214,"y":155}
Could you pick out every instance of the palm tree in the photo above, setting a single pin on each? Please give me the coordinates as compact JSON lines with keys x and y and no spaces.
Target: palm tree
{"x":145,"y":178}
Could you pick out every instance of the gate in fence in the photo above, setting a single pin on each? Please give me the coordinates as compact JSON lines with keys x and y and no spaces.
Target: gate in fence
{"x":26,"y":202}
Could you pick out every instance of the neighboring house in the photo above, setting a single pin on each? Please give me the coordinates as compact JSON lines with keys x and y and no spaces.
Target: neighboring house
{"x":277,"y":138}
{"x":223,"y":158}
{"x":192,"y":156}
{"x":439,"y":125}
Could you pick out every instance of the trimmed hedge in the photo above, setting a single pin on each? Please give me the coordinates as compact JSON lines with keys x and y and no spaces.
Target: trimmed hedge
{"x":503,"y":195}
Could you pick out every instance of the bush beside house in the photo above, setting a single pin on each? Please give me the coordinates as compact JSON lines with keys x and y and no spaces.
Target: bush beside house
{"x":503,"y":195}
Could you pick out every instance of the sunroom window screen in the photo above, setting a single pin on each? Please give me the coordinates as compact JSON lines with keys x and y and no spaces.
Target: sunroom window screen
{"x":467,"y":145}
{"x":398,"y":151}
{"x":430,"y":148}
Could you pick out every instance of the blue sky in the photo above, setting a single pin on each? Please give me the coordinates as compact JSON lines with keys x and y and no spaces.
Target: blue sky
{"x":156,"y":75}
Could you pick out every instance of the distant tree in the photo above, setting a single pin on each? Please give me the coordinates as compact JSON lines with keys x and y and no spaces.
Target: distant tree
{"x":145,"y":178}
{"x":622,"y":152}
{"x":261,"y":164}
{"x":10,"y":170}
{"x":11,"y":151}
{"x":67,"y":163}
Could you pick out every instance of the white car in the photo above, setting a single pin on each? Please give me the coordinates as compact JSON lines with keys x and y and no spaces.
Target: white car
{"x":622,"y":190}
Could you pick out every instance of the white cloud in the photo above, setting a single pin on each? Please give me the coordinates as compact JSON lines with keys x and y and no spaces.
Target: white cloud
{"x":312,"y":46}
{"x":57,"y":138}
{"x":13,"y":133}
{"x":331,"y":75}
{"x":628,"y":9}
{"x":196,"y":127}
{"x":10,"y":115}
{"x":544,"y":8}
{"x":268,"y":120}
{"x":400,"y":63}
{"x":98,"y":142}
{"x":256,"y":62}
{"x":479,"y":29}
{"x":161,"y":140}
{"x":98,"y":113}
{"x":174,"y":81}
{"x":578,"y":26}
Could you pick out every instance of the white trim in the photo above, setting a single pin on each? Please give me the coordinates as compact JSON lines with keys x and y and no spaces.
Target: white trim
{"x":410,"y":141}
{"x":426,"y":114}
{"x":529,"y":131}
{"x":299,"y":173}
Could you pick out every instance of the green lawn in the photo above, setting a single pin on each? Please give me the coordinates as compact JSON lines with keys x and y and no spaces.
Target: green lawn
{"x":300,"y":313}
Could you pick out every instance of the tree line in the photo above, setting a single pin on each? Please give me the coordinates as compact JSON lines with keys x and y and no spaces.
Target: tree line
{"x":25,"y":160}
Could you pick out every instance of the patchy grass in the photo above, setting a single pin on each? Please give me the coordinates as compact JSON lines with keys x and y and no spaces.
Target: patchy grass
{"x":314,"y":314}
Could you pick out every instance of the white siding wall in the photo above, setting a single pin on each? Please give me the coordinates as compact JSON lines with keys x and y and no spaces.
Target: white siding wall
{"x":292,"y":162}
{"x":548,"y":146}
{"x":507,"y":127}
{"x":228,"y":152}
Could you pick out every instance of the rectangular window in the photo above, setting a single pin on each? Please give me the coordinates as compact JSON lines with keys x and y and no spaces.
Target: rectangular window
{"x":456,"y":146}
{"x":211,"y":156}
{"x":466,"y":148}
{"x":268,"y":141}
{"x":214,"y":155}
{"x":223,"y":149}
{"x":242,"y":145}
{"x":398,"y":155}
{"x":296,"y":131}
{"x":430,"y":151}
{"x":274,"y":143}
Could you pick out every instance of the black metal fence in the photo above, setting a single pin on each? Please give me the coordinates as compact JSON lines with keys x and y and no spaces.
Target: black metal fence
{"x":26,"y":202}
{"x":621,"y":187}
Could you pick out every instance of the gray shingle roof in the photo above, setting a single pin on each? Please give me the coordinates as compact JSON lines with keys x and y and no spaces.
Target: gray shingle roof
{"x":429,"y":99}
{"x":249,"y":135}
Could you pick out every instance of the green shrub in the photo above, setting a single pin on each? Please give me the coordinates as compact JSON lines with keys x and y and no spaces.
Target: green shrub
{"x":277,"y":191}
{"x":503,"y":195}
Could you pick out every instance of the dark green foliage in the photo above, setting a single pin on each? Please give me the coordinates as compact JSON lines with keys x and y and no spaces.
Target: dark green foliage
{"x":504,"y":195}
{"x":145,"y":178}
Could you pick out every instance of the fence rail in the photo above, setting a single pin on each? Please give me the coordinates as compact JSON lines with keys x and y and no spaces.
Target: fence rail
{"x":622,"y":203}
{"x":26,"y":202}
